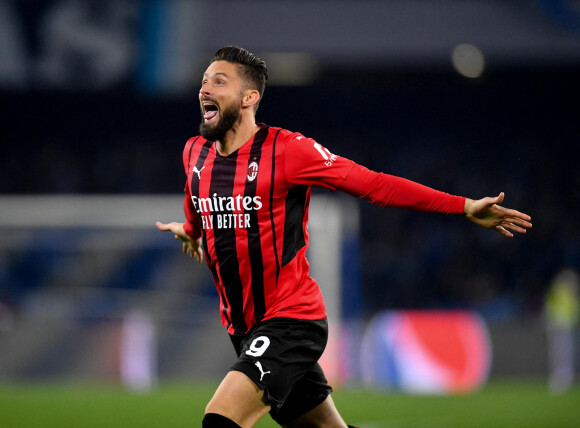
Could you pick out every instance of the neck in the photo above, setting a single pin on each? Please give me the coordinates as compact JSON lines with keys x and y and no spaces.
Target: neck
{"x":236,"y":137}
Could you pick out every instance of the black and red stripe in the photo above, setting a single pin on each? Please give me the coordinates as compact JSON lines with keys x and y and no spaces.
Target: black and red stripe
{"x":253,"y":233}
{"x":223,"y":176}
{"x":260,"y":271}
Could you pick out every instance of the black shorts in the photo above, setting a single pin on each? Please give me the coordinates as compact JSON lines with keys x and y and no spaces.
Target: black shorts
{"x":281,"y":355}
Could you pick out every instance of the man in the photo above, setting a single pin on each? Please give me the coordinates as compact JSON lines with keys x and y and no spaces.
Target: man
{"x":246,"y":205}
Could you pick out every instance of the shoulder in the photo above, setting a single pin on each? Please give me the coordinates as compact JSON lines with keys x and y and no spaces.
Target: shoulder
{"x":192,"y":147}
{"x":198,"y":139}
{"x":287,"y":135}
{"x":193,"y":144}
{"x":287,"y":138}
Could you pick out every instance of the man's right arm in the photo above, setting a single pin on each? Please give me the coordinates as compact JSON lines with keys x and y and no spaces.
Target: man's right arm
{"x":190,"y":246}
{"x":192,"y":225}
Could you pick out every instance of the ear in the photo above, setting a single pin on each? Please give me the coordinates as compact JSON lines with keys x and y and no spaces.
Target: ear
{"x":250,"y":98}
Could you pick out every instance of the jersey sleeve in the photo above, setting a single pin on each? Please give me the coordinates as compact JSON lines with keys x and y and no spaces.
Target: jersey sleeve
{"x":192,"y":225}
{"x":392,"y":191}
{"x":310,"y":164}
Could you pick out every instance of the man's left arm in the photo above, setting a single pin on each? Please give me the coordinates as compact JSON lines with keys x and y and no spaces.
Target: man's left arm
{"x":388,"y":190}
{"x":391,"y":191}
{"x":309,"y":163}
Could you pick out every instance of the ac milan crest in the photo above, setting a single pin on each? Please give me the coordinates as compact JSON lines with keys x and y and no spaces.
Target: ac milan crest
{"x":252,"y":171}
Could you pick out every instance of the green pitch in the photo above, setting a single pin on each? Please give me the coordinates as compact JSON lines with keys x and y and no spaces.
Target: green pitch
{"x":500,"y":404}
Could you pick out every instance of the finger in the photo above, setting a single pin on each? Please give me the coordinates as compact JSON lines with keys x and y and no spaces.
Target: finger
{"x":162,"y":226}
{"x":500,"y":197}
{"x":515,"y":217}
{"x":504,"y":232}
{"x":514,"y":227}
{"x":495,"y":200}
{"x":508,"y":212}
{"x":519,"y":222}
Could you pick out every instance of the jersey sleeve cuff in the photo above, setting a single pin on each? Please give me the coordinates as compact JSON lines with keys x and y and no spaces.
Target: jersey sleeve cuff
{"x":192,"y":231}
{"x":460,"y":205}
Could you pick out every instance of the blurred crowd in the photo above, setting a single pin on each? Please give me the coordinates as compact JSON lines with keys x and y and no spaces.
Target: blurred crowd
{"x":511,"y":131}
{"x":87,"y":109}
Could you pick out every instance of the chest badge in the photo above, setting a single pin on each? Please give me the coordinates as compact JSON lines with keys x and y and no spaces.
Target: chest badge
{"x":252,"y":171}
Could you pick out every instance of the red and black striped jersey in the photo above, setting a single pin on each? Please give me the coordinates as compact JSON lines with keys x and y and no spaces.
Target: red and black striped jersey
{"x":252,"y":209}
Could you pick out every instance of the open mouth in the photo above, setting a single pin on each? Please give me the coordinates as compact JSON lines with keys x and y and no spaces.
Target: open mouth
{"x":210,"y":110}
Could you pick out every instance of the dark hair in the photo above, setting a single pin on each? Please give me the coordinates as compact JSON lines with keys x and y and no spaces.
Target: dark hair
{"x":254,"y":69}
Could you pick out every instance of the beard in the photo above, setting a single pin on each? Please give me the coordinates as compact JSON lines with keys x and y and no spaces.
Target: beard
{"x":217,"y":132}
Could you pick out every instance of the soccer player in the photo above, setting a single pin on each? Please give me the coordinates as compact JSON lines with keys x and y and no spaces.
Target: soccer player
{"x":246,"y":206}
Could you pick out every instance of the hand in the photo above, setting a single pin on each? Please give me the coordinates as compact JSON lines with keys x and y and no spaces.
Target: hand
{"x":190,"y":246}
{"x":485,"y":212}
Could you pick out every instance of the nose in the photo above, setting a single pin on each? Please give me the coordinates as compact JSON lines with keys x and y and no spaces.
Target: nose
{"x":205,"y":89}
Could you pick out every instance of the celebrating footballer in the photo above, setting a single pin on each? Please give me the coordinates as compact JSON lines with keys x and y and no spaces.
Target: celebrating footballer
{"x":246,"y":205}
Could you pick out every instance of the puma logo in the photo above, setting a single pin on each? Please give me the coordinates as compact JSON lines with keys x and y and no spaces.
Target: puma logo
{"x":198,"y":171}
{"x":262,"y":372}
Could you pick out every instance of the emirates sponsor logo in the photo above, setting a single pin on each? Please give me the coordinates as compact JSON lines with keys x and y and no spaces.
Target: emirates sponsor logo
{"x":226,"y":212}
{"x":226,"y":203}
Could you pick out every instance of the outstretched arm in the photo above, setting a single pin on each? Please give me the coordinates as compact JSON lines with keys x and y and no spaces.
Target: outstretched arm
{"x":487,"y":213}
{"x":190,"y":246}
{"x":389,"y":190}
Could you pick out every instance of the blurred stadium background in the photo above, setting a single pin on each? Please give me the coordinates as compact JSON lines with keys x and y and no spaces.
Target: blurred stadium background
{"x":98,"y":97}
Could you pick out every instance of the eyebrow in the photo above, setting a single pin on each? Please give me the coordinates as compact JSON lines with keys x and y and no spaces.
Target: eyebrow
{"x":216,"y":74}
